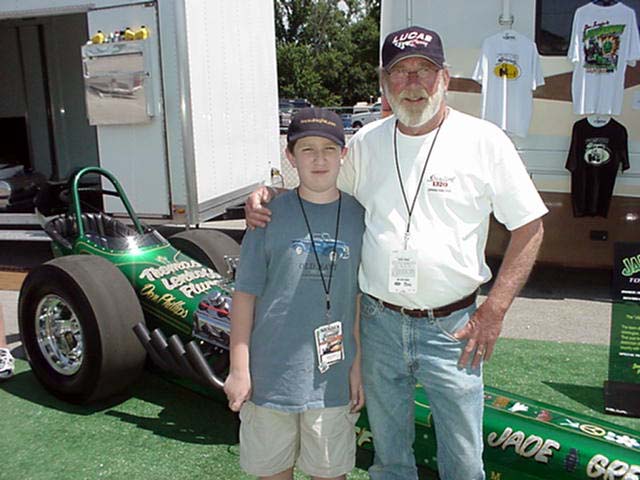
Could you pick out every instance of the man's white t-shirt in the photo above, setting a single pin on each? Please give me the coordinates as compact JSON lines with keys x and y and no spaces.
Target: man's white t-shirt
{"x":603,"y":41}
{"x":473,"y":170}
{"x":509,"y":70}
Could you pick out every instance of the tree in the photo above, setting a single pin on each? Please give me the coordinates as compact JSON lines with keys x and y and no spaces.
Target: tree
{"x":327,"y":50}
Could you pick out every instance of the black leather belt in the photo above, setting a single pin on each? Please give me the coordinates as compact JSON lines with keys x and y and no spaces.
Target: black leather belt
{"x":443,"y":311}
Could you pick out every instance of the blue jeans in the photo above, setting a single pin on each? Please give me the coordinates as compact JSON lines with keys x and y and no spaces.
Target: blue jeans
{"x":398,"y":352}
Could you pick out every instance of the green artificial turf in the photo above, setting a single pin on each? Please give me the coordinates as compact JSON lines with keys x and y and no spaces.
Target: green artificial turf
{"x":161,"y":431}
{"x":568,"y":375}
{"x":165,"y":431}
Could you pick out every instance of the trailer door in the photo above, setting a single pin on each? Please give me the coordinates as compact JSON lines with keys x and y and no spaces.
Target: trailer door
{"x":135,"y":149}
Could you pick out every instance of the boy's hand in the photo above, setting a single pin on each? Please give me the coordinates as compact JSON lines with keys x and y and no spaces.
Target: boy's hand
{"x":238,"y":389}
{"x":356,"y":389}
{"x":255,"y":214}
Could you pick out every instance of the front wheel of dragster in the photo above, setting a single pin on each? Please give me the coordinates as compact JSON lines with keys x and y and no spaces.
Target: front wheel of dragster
{"x":76,"y":315}
{"x":209,"y":247}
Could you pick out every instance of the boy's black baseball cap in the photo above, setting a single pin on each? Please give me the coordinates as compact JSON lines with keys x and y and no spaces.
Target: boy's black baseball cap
{"x":412,"y":42}
{"x":316,"y":122}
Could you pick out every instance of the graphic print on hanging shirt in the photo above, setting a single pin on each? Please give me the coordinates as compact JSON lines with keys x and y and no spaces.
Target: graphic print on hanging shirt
{"x":596,"y":151}
{"x":507,"y":66}
{"x":601,"y":43}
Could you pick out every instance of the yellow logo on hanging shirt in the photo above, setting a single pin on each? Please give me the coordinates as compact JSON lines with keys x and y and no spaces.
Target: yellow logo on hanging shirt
{"x":508,"y":70}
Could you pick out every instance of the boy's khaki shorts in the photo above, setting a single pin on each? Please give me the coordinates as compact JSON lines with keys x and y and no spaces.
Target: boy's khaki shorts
{"x":321,"y":442}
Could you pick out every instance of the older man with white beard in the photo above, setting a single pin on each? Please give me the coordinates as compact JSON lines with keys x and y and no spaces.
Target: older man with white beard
{"x":429,"y":177}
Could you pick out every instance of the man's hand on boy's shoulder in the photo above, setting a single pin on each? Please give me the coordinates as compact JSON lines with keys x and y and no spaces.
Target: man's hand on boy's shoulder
{"x":237,"y":387}
{"x":255,"y":213}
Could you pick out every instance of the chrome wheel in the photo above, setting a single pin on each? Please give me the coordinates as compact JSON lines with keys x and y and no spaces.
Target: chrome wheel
{"x":59,"y":335}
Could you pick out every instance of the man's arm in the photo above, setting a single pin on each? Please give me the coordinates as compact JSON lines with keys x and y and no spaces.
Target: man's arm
{"x":238,"y":383}
{"x":255,"y":213}
{"x":485,"y":325}
{"x":355,"y":375}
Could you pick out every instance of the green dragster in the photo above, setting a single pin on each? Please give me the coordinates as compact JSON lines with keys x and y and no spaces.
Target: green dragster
{"x":84,"y":319}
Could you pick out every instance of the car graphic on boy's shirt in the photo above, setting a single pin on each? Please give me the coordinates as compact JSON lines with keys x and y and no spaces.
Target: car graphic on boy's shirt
{"x":324,"y":245}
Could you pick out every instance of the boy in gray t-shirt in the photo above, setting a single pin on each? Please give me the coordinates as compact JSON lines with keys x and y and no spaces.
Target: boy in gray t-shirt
{"x":295,"y":358}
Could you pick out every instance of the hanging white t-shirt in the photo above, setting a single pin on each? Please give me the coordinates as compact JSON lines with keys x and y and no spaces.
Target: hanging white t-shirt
{"x":509,"y":70}
{"x":473,"y":170}
{"x":603,"y":41}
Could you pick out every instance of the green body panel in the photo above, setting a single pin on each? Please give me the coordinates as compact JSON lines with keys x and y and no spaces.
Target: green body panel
{"x":169,"y":284}
{"x":525,"y":439}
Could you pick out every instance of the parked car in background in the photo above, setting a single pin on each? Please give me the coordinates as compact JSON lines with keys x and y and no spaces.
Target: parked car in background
{"x":358,"y":120}
{"x":298,"y":103}
{"x":346,"y":120}
{"x":288,"y":107}
{"x":284,"y":117}
{"x":294,"y":104}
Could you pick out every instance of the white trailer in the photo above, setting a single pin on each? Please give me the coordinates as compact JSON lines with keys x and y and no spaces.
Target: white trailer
{"x":463,"y":25}
{"x":186,"y":118}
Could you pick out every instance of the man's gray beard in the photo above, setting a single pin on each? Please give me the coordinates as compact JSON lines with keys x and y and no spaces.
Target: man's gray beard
{"x":417,"y":119}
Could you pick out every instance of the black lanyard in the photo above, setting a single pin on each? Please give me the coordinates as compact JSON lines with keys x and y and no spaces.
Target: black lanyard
{"x":332,"y":257}
{"x":424,"y":169}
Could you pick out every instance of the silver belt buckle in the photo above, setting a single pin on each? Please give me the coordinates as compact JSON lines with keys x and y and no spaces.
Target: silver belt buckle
{"x":430,"y":314}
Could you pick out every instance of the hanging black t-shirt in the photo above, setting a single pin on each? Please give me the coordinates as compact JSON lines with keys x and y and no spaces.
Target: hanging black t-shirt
{"x":595,"y":156}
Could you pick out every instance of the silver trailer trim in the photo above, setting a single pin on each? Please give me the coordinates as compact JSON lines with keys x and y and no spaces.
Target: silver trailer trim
{"x":184,"y":95}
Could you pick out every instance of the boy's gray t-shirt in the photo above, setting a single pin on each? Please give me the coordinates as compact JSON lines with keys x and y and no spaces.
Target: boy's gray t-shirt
{"x":277,"y":264}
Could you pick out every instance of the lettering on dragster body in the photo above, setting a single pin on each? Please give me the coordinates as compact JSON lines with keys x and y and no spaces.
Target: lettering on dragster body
{"x":192,"y":289}
{"x":184,"y":280}
{"x":156,"y":273}
{"x":166,"y":301}
{"x":188,"y":276}
{"x":363,"y":436}
{"x":600,"y":467}
{"x":532,"y":446}
{"x":631,"y":265}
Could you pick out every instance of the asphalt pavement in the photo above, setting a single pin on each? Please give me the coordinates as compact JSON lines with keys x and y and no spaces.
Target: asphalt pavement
{"x":563,"y":305}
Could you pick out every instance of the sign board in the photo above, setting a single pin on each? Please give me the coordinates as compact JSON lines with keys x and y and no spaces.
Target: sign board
{"x":622,"y":390}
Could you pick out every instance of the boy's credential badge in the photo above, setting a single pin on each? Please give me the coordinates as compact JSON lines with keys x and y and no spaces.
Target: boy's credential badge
{"x":403,"y":271}
{"x":329,"y":345}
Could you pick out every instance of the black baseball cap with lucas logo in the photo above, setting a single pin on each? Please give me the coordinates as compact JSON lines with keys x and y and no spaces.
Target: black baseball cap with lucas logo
{"x":412,"y":42}
{"x":316,"y":122}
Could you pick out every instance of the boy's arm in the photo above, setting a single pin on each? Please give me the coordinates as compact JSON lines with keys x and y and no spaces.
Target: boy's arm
{"x":355,"y":376}
{"x":238,"y":383}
